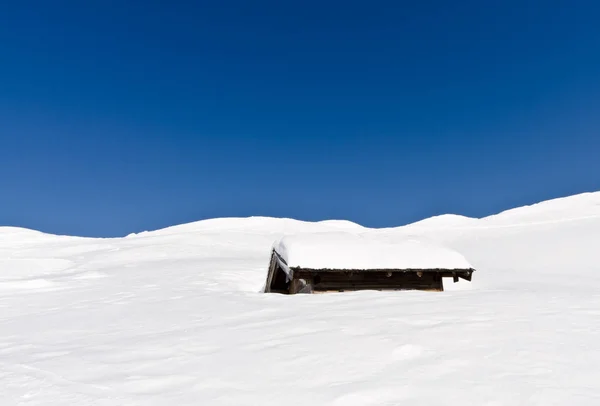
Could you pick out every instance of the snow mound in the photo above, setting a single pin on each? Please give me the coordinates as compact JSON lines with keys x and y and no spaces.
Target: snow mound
{"x":585,"y":205}
{"x":257,"y":224}
{"x":365,"y":251}
{"x":6,"y":231}
{"x":18,"y":235}
{"x":445,"y":220}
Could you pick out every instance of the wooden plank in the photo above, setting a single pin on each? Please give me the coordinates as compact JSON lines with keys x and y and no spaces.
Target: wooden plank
{"x":444,"y":272}
{"x":336,"y":281}
{"x":270,"y":273}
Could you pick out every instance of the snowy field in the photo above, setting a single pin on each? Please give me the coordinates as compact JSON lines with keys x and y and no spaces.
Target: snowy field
{"x":176,"y":317}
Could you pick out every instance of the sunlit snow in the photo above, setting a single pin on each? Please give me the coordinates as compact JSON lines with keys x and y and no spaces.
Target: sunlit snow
{"x":176,"y":317}
{"x":365,"y":250}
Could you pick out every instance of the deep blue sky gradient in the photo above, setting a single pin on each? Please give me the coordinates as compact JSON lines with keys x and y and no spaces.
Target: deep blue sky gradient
{"x":123,"y":116}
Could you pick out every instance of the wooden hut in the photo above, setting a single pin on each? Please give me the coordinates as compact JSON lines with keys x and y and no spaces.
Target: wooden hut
{"x":310,"y":263}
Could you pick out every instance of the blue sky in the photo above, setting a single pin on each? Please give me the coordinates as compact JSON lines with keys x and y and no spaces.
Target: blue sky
{"x":118,"y":117}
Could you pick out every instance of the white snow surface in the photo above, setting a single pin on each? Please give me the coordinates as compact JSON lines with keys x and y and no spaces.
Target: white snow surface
{"x":364,"y":251}
{"x":176,"y":317}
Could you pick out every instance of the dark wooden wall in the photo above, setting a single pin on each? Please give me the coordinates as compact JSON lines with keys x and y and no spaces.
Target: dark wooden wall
{"x":377,"y":280}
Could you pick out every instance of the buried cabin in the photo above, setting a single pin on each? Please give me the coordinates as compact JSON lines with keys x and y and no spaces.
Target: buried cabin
{"x":321,"y":262}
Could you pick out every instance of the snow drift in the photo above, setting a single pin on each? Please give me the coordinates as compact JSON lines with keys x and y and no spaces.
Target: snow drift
{"x":175,"y":317}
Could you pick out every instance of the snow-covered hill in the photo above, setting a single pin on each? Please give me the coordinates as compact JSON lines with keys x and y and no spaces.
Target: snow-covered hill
{"x":176,"y":317}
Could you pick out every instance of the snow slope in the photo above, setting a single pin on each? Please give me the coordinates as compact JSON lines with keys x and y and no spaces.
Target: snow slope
{"x":175,"y":317}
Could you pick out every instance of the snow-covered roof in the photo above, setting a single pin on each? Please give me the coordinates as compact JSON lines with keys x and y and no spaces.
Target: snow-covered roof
{"x":365,"y":251}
